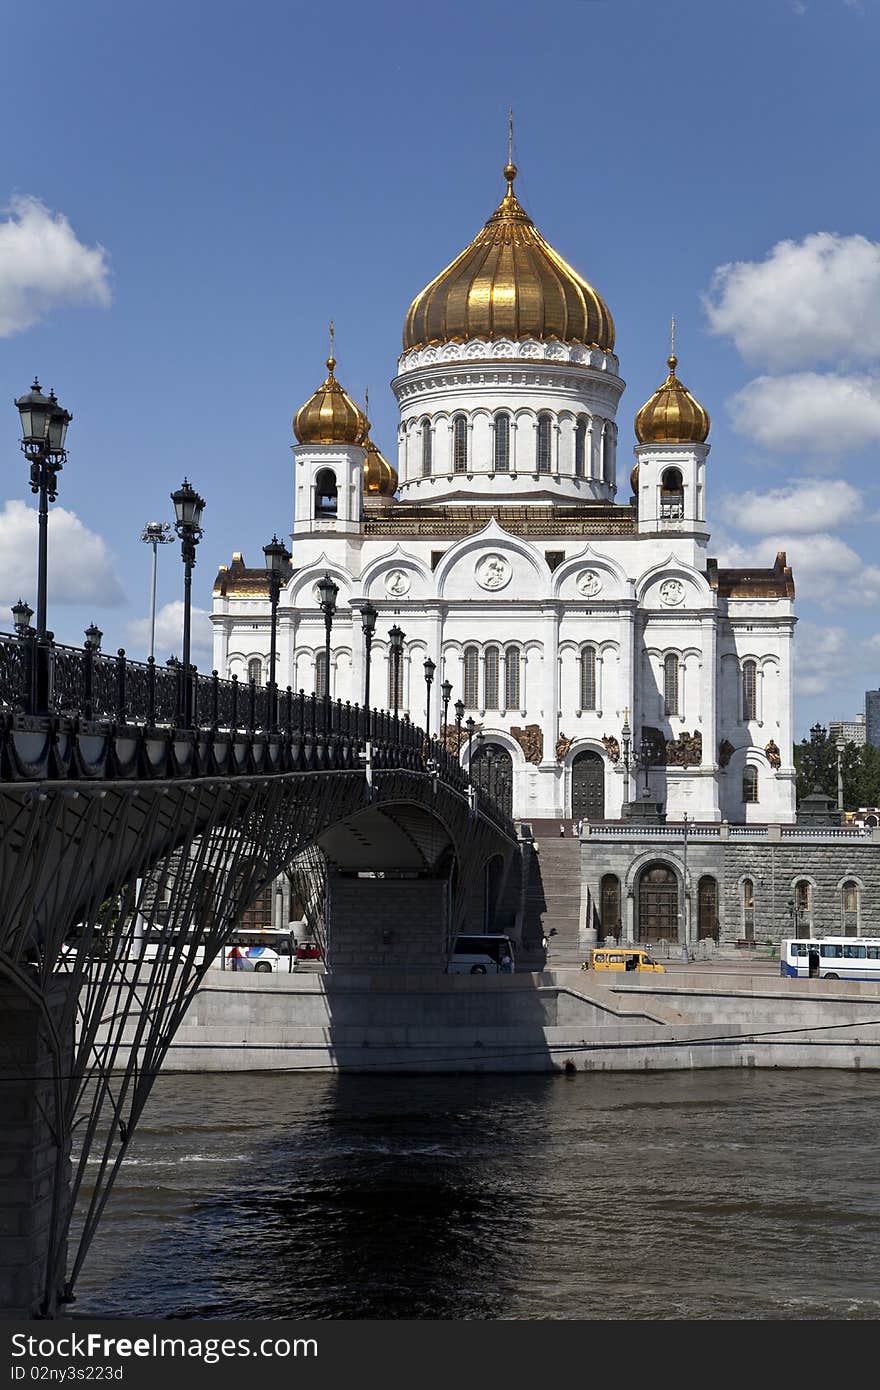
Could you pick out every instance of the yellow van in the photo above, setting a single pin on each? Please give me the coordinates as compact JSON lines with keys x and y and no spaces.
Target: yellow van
{"x":623,"y":958}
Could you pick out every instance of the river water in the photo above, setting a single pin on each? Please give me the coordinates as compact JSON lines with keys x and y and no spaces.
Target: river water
{"x":681,"y":1195}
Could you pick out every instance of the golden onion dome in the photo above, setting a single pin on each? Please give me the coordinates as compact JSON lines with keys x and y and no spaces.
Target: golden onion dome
{"x":634,"y":481}
{"x":509,"y":283}
{"x":380,"y":476}
{"x":672,"y":415}
{"x":330,"y":416}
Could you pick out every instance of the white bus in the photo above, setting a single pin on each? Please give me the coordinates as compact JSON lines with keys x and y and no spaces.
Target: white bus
{"x":830,"y":958}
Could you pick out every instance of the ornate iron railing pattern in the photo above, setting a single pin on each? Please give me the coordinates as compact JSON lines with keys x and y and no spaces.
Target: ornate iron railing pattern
{"x":86,"y":687}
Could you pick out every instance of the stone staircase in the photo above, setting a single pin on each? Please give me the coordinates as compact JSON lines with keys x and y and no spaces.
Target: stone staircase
{"x":552,"y":899}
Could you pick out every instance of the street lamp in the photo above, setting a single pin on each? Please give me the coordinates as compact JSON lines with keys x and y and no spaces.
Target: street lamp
{"x":328,"y":592}
{"x":446,"y":693}
{"x":21,"y":617}
{"x":396,"y":637}
{"x":626,"y":738}
{"x":155,"y":533}
{"x":93,"y":635}
{"x":840,"y":745}
{"x":430,"y":668}
{"x":643,"y":758}
{"x":684,"y":892}
{"x":43,"y":431}
{"x":369,"y":614}
{"x":817,"y":734}
{"x":188,"y":507}
{"x":277,"y":557}
{"x":470,"y":725}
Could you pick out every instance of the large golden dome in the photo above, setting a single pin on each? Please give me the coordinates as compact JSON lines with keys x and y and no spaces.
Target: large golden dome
{"x":509,"y":283}
{"x":672,"y":415}
{"x":330,"y":416}
{"x":380,"y":476}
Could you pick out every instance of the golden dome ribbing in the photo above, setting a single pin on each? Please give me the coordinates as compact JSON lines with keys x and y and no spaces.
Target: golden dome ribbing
{"x":380,"y":476}
{"x":509,"y":283}
{"x":330,"y":416}
{"x":672,"y":415}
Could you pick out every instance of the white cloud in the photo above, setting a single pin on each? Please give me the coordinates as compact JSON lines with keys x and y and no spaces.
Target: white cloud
{"x":811,"y":411}
{"x":809,"y":301}
{"x":43,"y":264}
{"x":804,"y":506}
{"x":826,"y":570}
{"x":169,"y":635}
{"x":820,"y":654}
{"x":81,"y":567}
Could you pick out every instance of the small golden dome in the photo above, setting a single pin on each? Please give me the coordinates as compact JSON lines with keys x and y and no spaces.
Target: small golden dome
{"x":380,"y":476}
{"x":330,"y":416}
{"x":672,"y":415}
{"x":509,"y":283}
{"x":634,"y":481}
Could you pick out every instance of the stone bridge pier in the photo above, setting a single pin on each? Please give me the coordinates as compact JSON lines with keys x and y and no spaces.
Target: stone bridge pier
{"x":403,"y":878}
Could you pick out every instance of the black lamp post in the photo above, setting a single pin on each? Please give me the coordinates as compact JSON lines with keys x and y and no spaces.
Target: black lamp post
{"x":277,"y":557}
{"x":369,"y":614}
{"x":817,"y":734}
{"x":43,"y":431}
{"x":430,"y":668}
{"x":93,"y":635}
{"x":396,"y":636}
{"x":188,"y":507}
{"x":643,"y":758}
{"x":459,"y":716}
{"x":470,"y":726}
{"x":328,"y":591}
{"x":446,"y":692}
{"x":21,"y":617}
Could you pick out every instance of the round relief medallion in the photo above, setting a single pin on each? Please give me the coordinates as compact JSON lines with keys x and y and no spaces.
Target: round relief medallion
{"x":397,"y":582}
{"x":672,"y":592}
{"x":588,"y":583}
{"x":492,"y":572}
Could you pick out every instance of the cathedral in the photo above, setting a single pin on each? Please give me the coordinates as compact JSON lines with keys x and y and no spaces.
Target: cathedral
{"x":568,"y":602}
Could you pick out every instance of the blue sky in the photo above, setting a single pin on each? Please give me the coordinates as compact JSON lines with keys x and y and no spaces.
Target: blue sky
{"x":203,"y":186}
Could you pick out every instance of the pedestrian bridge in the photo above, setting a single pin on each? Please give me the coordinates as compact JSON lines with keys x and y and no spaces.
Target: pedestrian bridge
{"x":115,"y":821}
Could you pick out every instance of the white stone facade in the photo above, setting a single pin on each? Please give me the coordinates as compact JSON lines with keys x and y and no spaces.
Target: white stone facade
{"x":542,"y":600}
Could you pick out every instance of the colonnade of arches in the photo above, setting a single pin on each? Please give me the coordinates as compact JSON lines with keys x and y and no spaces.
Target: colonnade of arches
{"x":509,"y":441}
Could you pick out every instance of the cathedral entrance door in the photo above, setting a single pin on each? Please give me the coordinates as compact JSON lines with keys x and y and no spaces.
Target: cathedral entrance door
{"x":492,"y":772}
{"x":588,"y":786}
{"x":658,"y":904}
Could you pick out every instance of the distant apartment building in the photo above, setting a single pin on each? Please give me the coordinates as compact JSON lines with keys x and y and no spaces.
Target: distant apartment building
{"x":850,"y":730}
{"x":872,"y":717}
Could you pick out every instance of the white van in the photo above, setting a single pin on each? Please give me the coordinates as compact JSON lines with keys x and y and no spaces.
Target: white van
{"x":481,"y":955}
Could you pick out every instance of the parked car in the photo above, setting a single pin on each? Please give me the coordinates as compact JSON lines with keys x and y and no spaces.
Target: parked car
{"x":309,"y":950}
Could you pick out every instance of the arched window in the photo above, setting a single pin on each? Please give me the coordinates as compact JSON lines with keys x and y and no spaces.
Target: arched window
{"x":502,"y":443}
{"x":748,"y":909}
{"x":545,"y":424}
{"x":395,"y":697}
{"x":491,"y":678}
{"x":707,"y":908}
{"x":511,"y":679}
{"x":459,"y":444}
{"x":255,"y":669}
{"x":326,"y":495}
{"x":671,"y":494}
{"x":849,"y":902}
{"x":670,"y":684}
{"x":588,"y":678}
{"x":427,"y":449}
{"x":580,"y":447}
{"x":750,"y":689}
{"x":610,"y":906}
{"x":803,"y":898}
{"x":321,"y":673}
{"x":471,"y":676}
{"x":750,"y":784}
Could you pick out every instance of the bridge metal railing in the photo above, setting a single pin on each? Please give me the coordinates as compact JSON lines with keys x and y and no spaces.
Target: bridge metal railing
{"x":48,"y":679}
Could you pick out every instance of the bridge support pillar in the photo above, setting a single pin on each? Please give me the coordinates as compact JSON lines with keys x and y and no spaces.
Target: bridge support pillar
{"x":35,"y":1153}
{"x":387,"y":924}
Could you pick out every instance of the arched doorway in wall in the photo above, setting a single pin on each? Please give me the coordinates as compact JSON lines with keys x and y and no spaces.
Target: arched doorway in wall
{"x":588,"y":786}
{"x":658,"y":904}
{"x":492,"y":772}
